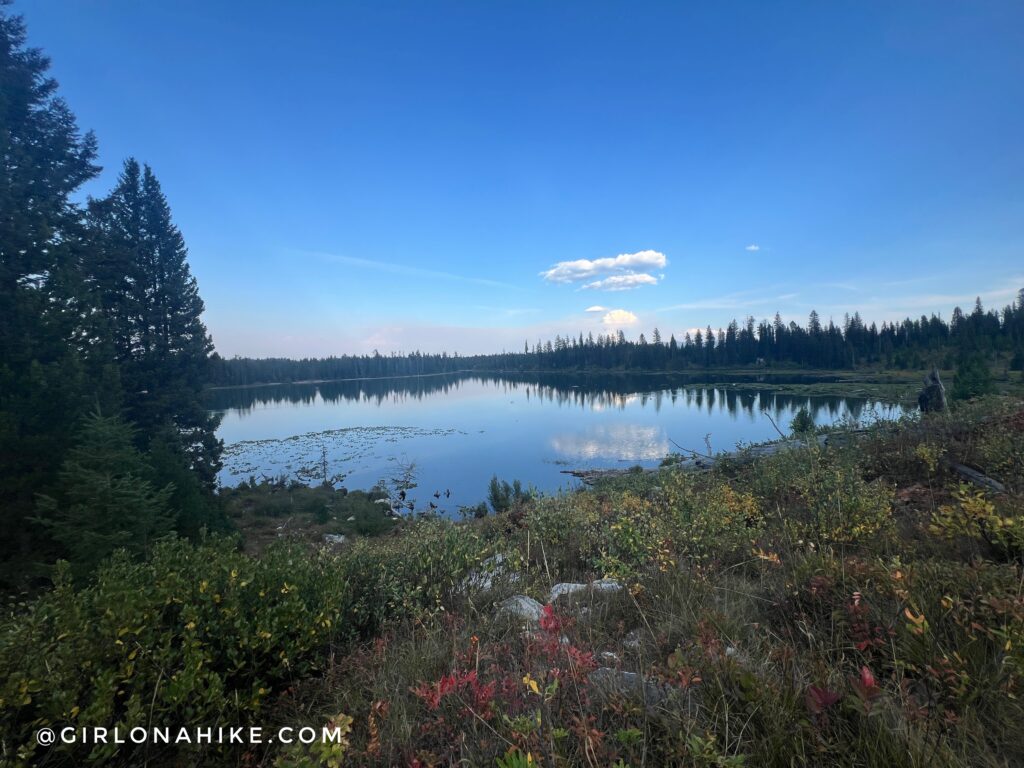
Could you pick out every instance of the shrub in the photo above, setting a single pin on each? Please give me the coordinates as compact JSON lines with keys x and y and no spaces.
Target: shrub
{"x":203,"y":634}
{"x":197,"y":634}
{"x":504,"y":496}
{"x":802,"y":423}
{"x":973,"y":377}
{"x":712,"y":520}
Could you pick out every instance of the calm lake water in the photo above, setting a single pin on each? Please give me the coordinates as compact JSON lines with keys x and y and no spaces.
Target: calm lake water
{"x":454,"y":432}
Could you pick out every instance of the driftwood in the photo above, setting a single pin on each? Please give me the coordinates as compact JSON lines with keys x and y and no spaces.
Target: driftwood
{"x":976,"y":477}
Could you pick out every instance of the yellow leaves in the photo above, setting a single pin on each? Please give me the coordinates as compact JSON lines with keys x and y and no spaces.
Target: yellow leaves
{"x":770,"y":557}
{"x":203,"y":586}
{"x":918,"y":624}
{"x":286,"y":588}
{"x":531,"y":684}
{"x":930,"y":455}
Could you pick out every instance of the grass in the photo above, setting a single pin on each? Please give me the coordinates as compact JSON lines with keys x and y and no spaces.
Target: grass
{"x":268,"y":511}
{"x":853,"y":605}
{"x":811,"y":608}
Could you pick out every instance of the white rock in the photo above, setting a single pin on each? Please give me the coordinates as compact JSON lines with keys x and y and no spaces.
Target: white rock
{"x":565,"y":588}
{"x":571,"y":588}
{"x":334,"y":538}
{"x":521,"y":607}
{"x":605,"y":585}
{"x":352,"y":519}
{"x":632,"y":640}
{"x":609,"y":658}
{"x":482,"y":578}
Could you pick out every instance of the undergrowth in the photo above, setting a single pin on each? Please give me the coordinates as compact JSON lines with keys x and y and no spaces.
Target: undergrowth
{"x":852,"y":604}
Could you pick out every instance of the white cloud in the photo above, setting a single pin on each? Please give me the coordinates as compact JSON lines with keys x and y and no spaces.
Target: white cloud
{"x":623,"y":282}
{"x":753,"y":248}
{"x":596,"y":308}
{"x":582,"y":269}
{"x":619,"y":317}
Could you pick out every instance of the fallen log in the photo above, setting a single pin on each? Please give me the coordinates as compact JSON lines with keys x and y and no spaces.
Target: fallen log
{"x":976,"y":477}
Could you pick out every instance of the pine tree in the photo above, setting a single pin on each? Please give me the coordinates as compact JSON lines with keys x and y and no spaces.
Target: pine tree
{"x":43,"y":387}
{"x":154,"y":311}
{"x":104,"y":500}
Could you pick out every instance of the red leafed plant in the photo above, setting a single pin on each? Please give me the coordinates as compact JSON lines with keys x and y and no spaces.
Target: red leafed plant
{"x":819,"y":700}
{"x":549,"y":621}
{"x":866,"y":687}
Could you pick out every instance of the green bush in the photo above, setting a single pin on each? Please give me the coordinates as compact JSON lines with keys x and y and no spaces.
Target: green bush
{"x":802,"y":423}
{"x":973,"y":377}
{"x":204,"y":633}
{"x":712,"y":519}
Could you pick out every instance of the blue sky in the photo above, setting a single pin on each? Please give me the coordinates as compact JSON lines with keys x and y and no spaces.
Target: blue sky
{"x":352,"y":176}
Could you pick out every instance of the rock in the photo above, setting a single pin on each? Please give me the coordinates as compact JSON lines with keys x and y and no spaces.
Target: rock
{"x":632,"y":640}
{"x":352,"y":519}
{"x":521,"y":607}
{"x":932,"y":398}
{"x":334,"y":539}
{"x":617,"y":681}
{"x":573,"y":588}
{"x":565,"y":588}
{"x":482,"y":578}
{"x":609,"y":658}
{"x":605,"y":585}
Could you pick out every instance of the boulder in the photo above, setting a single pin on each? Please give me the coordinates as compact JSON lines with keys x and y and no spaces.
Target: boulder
{"x":605,"y":585}
{"x":565,"y":588}
{"x":482,"y":578}
{"x":334,"y":539}
{"x":629,"y":684}
{"x":521,"y":607}
{"x":575,"y":588}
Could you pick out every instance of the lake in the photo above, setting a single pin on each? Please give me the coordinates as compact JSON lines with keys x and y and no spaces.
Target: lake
{"x":451,"y":433}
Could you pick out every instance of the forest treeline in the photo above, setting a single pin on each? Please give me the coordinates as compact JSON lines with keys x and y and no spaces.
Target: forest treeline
{"x":967,"y":339}
{"x":105,"y":440}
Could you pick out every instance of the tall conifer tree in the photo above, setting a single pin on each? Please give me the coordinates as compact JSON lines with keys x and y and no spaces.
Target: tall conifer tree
{"x":43,"y":160}
{"x":163,"y":347}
